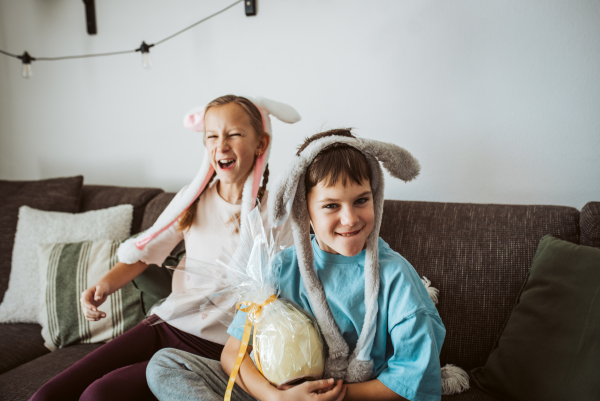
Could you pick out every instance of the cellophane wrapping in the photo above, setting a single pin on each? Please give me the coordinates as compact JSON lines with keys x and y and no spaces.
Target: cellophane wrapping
{"x":287,"y":343}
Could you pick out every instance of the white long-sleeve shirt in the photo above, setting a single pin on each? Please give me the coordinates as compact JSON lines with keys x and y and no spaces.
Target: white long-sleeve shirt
{"x":211,"y":235}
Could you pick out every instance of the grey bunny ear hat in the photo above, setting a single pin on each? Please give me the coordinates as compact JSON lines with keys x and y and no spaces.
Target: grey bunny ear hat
{"x":289,"y":200}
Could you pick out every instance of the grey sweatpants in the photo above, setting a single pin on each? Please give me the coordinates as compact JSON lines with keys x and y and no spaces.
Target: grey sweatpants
{"x":176,"y":375}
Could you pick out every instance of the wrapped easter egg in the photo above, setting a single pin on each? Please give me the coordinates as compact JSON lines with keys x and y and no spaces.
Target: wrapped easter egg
{"x":288,"y":346}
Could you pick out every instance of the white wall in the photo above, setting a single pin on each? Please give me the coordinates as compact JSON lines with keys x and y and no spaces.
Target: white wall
{"x":500,"y":101}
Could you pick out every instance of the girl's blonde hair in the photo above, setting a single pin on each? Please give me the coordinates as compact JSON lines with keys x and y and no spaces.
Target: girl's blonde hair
{"x":256,"y":121}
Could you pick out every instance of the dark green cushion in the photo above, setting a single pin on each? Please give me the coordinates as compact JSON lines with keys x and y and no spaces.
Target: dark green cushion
{"x":549,"y":348}
{"x":154,"y":283}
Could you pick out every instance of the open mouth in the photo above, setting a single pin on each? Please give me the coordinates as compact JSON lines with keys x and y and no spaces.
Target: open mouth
{"x":349,"y":234}
{"x":226,"y":164}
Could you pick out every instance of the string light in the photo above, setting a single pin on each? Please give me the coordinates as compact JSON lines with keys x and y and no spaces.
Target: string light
{"x":146,"y":59}
{"x":144,"y":49}
{"x":26,"y":70}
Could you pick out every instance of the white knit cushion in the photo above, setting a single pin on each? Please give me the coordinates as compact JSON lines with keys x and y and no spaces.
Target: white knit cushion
{"x":22,"y":299}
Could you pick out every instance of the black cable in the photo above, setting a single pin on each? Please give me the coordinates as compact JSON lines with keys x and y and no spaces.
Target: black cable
{"x":9,"y":54}
{"x":84,"y":55}
{"x":126,"y":51}
{"x":199,"y":22}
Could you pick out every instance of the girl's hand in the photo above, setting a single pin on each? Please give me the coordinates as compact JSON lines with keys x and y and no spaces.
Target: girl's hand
{"x":320,"y":390}
{"x":91,"y":299}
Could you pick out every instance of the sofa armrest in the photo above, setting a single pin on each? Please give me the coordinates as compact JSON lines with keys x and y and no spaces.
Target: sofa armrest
{"x":590,"y":224}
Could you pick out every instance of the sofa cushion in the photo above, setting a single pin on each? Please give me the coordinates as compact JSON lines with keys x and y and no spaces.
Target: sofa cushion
{"x":590,"y":224}
{"x":472,"y":394}
{"x":57,"y":194}
{"x":20,"y":343}
{"x":22,"y":382}
{"x":548,"y":349}
{"x":478,"y":257}
{"x":61,"y":313}
{"x":21,"y":301}
{"x":96,"y":197}
{"x":155,"y":282}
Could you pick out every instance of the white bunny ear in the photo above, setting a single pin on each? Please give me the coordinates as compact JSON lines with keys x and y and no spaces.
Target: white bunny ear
{"x":282,"y":111}
{"x":194,"y":120}
{"x":396,"y":160}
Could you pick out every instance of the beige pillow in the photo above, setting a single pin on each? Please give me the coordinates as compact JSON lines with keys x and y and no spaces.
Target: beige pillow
{"x":68,"y":269}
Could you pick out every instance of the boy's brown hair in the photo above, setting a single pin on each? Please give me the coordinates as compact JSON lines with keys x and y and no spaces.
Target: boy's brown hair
{"x":338,"y":162}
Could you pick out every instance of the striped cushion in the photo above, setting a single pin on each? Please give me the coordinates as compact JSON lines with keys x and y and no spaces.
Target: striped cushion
{"x":69,"y":269}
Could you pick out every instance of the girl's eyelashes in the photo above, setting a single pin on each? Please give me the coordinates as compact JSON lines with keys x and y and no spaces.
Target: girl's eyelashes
{"x":330,"y":206}
{"x":212,"y":136}
{"x":361,"y":201}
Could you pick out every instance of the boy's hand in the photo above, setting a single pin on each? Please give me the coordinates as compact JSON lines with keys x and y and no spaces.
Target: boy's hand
{"x":319,"y":390}
{"x":91,"y":299}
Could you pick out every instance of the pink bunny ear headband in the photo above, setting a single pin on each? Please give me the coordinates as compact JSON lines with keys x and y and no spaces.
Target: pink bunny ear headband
{"x":133,"y":249}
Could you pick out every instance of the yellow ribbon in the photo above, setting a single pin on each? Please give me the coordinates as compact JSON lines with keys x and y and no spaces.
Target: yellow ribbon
{"x":254,"y":310}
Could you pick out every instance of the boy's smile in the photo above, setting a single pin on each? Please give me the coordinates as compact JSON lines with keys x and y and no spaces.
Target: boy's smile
{"x":342,"y":216}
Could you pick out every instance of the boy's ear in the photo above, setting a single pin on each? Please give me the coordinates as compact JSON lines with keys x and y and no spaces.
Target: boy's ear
{"x":396,"y":160}
{"x":282,"y":111}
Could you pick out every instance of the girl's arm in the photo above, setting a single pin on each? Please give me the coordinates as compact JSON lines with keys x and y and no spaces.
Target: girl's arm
{"x":371,"y":390}
{"x":112,"y":281}
{"x":254,"y":383}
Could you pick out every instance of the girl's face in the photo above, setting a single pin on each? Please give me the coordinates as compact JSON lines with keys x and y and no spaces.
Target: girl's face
{"x":232,"y":142}
{"x":342,"y":216}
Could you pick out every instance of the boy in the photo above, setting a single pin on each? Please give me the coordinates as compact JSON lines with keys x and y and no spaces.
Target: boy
{"x":362,"y":294}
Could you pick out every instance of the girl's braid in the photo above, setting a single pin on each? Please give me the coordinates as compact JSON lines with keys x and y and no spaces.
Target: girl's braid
{"x":263,"y":187}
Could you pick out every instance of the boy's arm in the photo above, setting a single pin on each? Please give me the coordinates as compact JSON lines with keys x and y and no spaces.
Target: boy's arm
{"x":371,"y":390}
{"x":255,"y":384}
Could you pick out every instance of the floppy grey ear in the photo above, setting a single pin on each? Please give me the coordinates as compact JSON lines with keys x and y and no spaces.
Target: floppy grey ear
{"x":282,"y":111}
{"x":396,"y":160}
{"x":281,"y":198}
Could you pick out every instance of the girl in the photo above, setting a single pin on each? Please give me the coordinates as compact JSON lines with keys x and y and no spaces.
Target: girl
{"x":237,"y":136}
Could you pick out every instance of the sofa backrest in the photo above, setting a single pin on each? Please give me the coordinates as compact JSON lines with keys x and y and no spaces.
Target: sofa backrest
{"x":154,"y":208}
{"x":96,"y":197}
{"x":477,"y":256}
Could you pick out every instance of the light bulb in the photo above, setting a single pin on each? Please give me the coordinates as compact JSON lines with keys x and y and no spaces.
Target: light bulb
{"x":146,"y":60}
{"x":26,"y":71}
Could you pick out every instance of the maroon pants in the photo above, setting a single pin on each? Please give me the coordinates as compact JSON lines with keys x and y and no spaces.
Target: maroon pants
{"x":117,"y":370}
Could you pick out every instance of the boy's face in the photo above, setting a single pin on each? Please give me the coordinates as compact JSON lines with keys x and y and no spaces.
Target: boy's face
{"x":342,"y":216}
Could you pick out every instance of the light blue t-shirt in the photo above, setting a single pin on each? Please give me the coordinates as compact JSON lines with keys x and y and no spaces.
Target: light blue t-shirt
{"x":409,"y":334}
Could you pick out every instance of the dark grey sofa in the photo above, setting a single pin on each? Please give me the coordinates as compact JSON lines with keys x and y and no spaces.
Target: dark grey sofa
{"x":476,"y":255}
